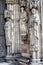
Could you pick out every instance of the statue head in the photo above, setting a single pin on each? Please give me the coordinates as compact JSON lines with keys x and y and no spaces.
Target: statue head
{"x":22,"y":9}
{"x":34,"y":11}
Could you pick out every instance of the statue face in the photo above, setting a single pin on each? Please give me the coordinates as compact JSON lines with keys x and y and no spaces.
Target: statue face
{"x":22,"y":9}
{"x":33,"y":11}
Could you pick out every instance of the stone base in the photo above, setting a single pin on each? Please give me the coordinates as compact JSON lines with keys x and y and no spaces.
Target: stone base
{"x":15,"y":63}
{"x":4,"y":63}
{"x":36,"y":60}
{"x":2,"y":60}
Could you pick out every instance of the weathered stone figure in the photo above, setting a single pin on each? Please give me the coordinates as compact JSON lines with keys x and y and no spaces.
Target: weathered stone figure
{"x":8,"y":35}
{"x":23,"y":24}
{"x":12,"y":28}
{"x":35,"y":23}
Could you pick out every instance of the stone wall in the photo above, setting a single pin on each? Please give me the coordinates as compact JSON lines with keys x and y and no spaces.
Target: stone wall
{"x":2,"y":34}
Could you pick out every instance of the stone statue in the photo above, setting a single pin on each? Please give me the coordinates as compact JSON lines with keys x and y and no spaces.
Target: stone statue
{"x":34,"y":37}
{"x":23,"y":23}
{"x":8,"y":35}
{"x":12,"y":28}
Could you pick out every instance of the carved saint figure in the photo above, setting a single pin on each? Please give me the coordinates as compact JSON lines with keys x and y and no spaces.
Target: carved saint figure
{"x":8,"y":35}
{"x":12,"y":28}
{"x":34,"y":37}
{"x":23,"y":23}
